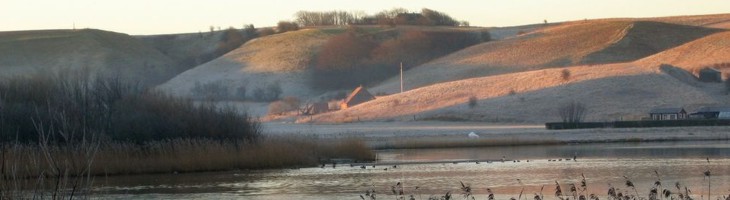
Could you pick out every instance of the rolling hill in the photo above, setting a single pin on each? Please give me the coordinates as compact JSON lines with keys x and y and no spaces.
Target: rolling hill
{"x":610,"y":91}
{"x":276,"y":59}
{"x":620,"y":74}
{"x":568,"y":44}
{"x":101,"y":52}
{"x":695,"y":55}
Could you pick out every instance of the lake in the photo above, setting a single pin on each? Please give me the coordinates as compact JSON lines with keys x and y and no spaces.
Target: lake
{"x":437,"y":171}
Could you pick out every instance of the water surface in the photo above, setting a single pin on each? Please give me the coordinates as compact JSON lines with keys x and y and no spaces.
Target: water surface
{"x":601,"y":164}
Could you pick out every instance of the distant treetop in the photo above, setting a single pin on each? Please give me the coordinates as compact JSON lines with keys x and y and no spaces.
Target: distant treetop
{"x":392,"y":17}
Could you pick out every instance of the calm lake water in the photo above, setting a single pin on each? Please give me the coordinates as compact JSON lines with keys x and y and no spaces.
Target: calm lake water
{"x":434,"y":173}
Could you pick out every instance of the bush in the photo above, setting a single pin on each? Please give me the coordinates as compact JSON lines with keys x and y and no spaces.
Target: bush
{"x":285,"y":26}
{"x":230,"y":40}
{"x":565,"y":74}
{"x":71,"y":107}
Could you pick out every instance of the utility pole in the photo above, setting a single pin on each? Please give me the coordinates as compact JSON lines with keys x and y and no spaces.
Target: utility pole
{"x":401,"y":77}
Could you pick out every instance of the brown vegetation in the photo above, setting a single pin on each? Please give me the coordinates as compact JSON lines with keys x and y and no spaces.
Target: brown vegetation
{"x":286,"y":26}
{"x":566,"y":44}
{"x":355,"y":58}
{"x":79,"y":105}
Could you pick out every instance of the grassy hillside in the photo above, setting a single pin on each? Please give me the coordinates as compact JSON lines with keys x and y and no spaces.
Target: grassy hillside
{"x":710,"y":21}
{"x":567,"y":44}
{"x":281,"y":58}
{"x":610,"y":91}
{"x":25,"y":52}
{"x":290,"y":60}
{"x":694,"y":55}
{"x":189,"y":50}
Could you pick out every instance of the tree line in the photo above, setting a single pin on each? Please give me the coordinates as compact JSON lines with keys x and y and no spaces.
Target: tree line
{"x":392,"y":17}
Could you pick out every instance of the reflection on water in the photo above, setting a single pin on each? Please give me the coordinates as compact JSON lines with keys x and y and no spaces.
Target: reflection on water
{"x":601,"y":164}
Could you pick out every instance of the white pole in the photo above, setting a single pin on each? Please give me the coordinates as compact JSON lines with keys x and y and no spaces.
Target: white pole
{"x":401,"y":77}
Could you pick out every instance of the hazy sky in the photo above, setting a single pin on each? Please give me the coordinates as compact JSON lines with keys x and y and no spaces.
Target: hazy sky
{"x":175,"y":16}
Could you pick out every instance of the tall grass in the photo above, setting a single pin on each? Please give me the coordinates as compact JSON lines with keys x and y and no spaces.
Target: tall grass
{"x":62,"y":171}
{"x":178,"y":155}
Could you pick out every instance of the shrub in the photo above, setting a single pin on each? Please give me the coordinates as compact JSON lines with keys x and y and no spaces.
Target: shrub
{"x":565,"y":74}
{"x":285,"y":26}
{"x":230,"y":40}
{"x":65,"y":104}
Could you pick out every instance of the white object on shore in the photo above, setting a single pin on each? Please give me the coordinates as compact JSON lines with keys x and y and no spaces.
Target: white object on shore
{"x":473,"y":135}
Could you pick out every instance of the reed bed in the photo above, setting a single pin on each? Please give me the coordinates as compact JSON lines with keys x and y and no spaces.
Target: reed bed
{"x":66,"y":171}
{"x":182,"y":155}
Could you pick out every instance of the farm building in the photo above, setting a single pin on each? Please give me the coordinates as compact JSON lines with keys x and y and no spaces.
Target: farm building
{"x":358,"y":96}
{"x":668,"y":113}
{"x":710,"y":75}
{"x":712,"y":112}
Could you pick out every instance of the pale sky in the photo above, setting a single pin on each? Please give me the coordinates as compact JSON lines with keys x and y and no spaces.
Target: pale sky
{"x":179,"y":16}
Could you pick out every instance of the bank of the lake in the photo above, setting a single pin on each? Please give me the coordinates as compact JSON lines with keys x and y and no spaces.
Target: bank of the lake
{"x":436,"y":134}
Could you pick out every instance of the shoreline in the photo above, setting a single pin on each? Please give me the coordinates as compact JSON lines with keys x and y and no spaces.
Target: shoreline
{"x":416,"y":135}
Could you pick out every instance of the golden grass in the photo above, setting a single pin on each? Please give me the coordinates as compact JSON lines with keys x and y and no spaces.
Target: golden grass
{"x":696,"y":54}
{"x":184,"y":155}
{"x":567,"y":44}
{"x":533,"y":96}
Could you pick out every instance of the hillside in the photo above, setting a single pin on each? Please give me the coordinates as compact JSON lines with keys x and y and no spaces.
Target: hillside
{"x":281,"y":58}
{"x":289,"y":60}
{"x":23,"y":52}
{"x":695,"y":55}
{"x":534,"y":96}
{"x":567,"y":44}
{"x":710,"y":21}
{"x":188,"y":50}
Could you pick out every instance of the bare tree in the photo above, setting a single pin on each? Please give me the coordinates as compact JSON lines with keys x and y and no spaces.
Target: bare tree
{"x":565,"y":74}
{"x":572,"y":112}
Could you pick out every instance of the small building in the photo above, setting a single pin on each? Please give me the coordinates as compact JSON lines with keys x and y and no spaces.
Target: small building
{"x":668,"y":114}
{"x":358,"y":96}
{"x":712,"y":112}
{"x":709,"y":74}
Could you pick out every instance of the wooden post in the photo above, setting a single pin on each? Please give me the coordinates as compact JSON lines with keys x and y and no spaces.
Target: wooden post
{"x":401,"y":77}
